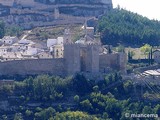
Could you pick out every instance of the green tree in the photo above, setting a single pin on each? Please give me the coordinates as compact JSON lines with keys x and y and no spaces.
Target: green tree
{"x":74,"y":115}
{"x":157,"y":109}
{"x":14,"y":31}
{"x":46,"y":87}
{"x":86,"y":105}
{"x":96,"y":88}
{"x":146,"y":49}
{"x":147,"y":110}
{"x":76,"y":98}
{"x":2,"y":29}
{"x":128,"y":86}
{"x":28,"y":113}
{"x":18,"y":116}
{"x":45,"y":114}
{"x":131,"y":29}
{"x":81,"y":85}
{"x":130,"y":54}
{"x":120,"y":48}
{"x":4,"y":117}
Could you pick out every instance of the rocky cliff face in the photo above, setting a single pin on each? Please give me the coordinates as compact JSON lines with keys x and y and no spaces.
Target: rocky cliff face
{"x":33,"y":13}
{"x":75,"y":1}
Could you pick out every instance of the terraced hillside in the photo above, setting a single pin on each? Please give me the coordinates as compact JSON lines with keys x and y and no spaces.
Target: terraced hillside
{"x":39,"y":13}
{"x":74,"y":1}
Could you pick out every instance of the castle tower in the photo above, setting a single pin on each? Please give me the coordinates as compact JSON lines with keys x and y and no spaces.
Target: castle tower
{"x":72,"y":58}
{"x":122,"y":62}
{"x":90,"y":58}
{"x":93,"y":58}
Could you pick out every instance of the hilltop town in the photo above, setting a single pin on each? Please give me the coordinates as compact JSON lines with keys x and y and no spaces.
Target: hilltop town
{"x":60,"y":56}
{"x":88,"y":51}
{"x":77,"y":60}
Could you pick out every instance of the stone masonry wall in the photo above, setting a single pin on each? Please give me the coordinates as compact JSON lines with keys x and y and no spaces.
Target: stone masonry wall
{"x":72,"y":58}
{"x":108,"y":60}
{"x":32,"y":67}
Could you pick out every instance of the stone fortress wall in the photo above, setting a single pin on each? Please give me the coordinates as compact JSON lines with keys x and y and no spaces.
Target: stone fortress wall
{"x":32,"y":67}
{"x":114,"y":60}
{"x":77,"y":58}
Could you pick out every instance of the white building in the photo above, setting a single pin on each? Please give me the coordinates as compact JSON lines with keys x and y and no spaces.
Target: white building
{"x":4,"y":49}
{"x":8,"y":40}
{"x":44,"y":55}
{"x":51,"y":42}
{"x":60,"y":40}
{"x":22,"y":45}
{"x":57,"y":51}
{"x":31,"y":51}
{"x":11,"y":56}
{"x":24,"y":41}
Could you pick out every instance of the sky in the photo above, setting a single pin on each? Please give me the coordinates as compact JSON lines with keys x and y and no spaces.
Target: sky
{"x":147,"y":8}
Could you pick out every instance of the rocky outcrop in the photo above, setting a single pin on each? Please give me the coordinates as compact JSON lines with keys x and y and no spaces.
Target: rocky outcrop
{"x":75,"y":1}
{"x":32,"y":13}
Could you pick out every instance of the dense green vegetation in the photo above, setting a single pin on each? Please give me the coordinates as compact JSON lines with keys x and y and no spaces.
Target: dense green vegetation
{"x":77,"y":115}
{"x":11,"y":30}
{"x":120,"y":26}
{"x":2,"y":29}
{"x":77,"y":98}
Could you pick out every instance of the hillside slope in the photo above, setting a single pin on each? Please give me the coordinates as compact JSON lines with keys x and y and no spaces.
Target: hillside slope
{"x":74,"y":1}
{"x":123,"y":27}
{"x":29,"y":14}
